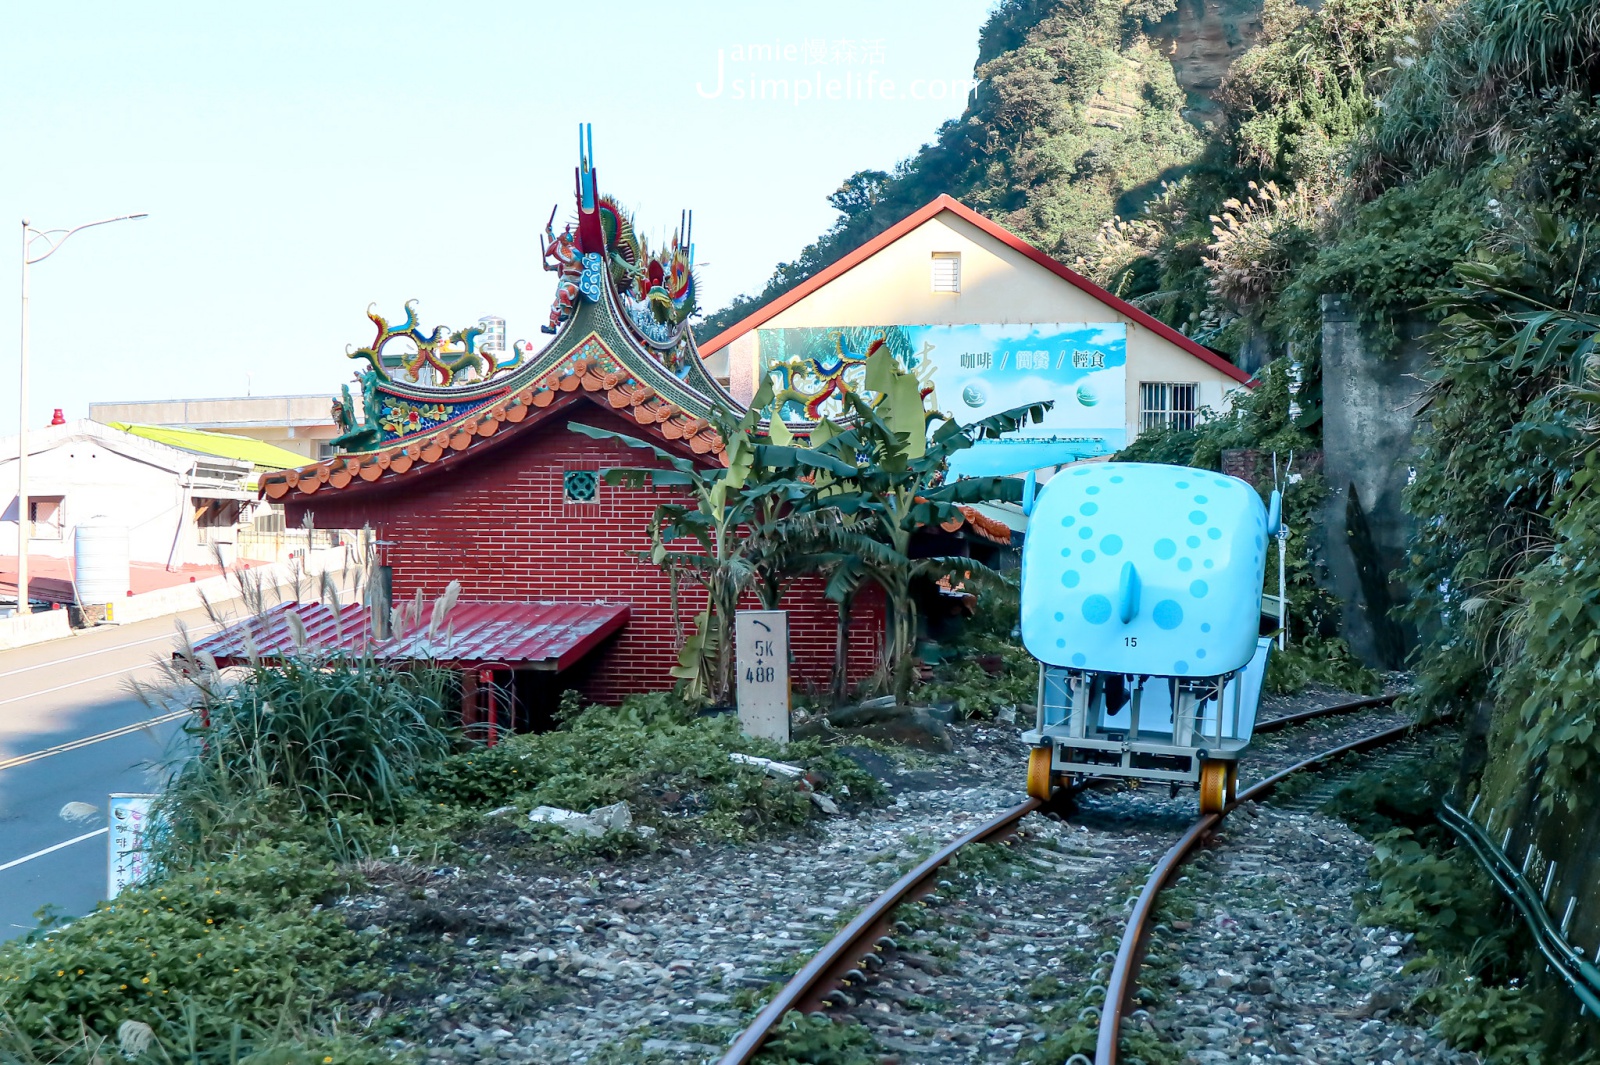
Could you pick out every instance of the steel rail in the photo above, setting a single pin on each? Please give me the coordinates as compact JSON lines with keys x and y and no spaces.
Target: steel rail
{"x":861,"y":937}
{"x":808,"y":989}
{"x":1130,"y":954}
{"x":1278,"y":723}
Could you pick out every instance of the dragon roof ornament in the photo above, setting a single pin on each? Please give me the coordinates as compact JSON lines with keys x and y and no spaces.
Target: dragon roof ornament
{"x":636,"y":298}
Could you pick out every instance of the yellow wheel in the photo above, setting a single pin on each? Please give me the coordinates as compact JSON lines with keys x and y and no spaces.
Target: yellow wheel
{"x":1040,"y":784}
{"x":1213,"y":786}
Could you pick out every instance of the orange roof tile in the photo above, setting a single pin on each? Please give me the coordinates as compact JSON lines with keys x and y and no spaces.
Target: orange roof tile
{"x":587,"y":374}
{"x":994,"y":531}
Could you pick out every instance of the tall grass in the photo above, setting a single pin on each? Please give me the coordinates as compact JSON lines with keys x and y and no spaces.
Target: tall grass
{"x":318,"y":737}
{"x":332,"y":732}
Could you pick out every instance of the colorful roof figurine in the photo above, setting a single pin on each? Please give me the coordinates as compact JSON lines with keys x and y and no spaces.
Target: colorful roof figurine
{"x":620,"y":338}
{"x":620,"y":334}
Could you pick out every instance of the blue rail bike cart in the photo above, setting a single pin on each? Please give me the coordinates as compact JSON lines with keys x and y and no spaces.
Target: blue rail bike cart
{"x":1141,"y":599}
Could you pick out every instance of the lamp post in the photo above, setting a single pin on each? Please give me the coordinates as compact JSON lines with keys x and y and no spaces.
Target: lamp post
{"x":54,"y":238}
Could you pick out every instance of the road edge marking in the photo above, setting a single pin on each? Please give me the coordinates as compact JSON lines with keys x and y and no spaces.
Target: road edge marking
{"x":73,"y":745}
{"x":13,"y":863}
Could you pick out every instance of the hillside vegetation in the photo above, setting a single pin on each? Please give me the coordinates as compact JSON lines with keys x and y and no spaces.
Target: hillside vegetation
{"x":1434,"y":162}
{"x":1077,"y":108}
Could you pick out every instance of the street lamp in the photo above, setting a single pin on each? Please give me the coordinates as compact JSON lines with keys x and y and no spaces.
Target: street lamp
{"x":53,"y":238}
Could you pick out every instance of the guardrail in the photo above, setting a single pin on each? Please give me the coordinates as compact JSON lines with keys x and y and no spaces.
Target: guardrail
{"x":1581,"y":975}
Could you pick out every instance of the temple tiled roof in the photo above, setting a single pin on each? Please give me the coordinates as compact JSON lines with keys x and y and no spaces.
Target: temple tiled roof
{"x":658,"y":401}
{"x":610,"y":348}
{"x":994,"y":531}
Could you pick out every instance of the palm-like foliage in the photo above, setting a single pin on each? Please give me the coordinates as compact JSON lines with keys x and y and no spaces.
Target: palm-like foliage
{"x":847,"y":507}
{"x":896,"y":486}
{"x":745,"y":519}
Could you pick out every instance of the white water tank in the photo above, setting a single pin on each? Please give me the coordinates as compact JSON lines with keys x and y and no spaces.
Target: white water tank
{"x":100,"y":563}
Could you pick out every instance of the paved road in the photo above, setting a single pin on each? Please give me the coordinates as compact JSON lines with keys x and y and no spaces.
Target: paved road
{"x":71,"y":731}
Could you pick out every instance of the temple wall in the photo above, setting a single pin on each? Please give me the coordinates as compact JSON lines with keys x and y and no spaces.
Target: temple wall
{"x":501,"y":526}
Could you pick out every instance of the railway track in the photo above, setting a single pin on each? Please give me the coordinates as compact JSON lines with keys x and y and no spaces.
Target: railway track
{"x":1125,"y":970}
{"x":848,"y":963}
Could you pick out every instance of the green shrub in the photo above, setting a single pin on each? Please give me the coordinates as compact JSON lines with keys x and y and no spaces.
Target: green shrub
{"x":640,"y":753}
{"x":1500,"y":1022}
{"x":226,"y":948}
{"x":800,"y":1039}
{"x":974,"y":691}
{"x":1404,"y":796}
{"x":1445,"y":898}
{"x":1319,"y":660}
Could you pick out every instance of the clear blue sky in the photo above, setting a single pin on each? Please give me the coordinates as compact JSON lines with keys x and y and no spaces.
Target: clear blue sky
{"x":301,"y":160}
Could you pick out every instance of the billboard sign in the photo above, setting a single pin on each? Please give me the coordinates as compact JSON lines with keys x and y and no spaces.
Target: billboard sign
{"x":975,"y":371}
{"x":129,"y":859}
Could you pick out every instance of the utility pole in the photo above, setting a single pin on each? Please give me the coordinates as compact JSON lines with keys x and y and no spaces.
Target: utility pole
{"x":24,"y":526}
{"x":54,"y":238}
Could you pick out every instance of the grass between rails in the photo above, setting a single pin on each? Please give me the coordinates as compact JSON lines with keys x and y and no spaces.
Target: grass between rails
{"x":1065,"y":1001}
{"x":1069,"y":1005}
{"x":235,"y":952}
{"x":920,"y":927}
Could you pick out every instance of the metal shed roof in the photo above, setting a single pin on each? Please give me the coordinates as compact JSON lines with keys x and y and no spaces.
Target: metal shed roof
{"x":520,"y":635}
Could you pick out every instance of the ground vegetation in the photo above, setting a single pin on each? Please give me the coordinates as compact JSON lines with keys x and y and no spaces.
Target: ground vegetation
{"x":295,"y":785}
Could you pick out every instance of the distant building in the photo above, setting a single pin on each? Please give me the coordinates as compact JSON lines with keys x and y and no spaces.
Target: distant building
{"x":175,"y":504}
{"x":991,"y":322}
{"x":302,"y":424}
{"x":494,"y":334}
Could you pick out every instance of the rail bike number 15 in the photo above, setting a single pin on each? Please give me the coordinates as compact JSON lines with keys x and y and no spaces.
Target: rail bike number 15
{"x":761,"y":642}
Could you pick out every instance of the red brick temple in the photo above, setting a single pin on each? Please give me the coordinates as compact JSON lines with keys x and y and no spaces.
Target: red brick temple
{"x":465,"y":469}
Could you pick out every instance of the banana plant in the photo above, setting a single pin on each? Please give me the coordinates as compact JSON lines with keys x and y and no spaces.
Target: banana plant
{"x":897,"y":486}
{"x":745,"y":520}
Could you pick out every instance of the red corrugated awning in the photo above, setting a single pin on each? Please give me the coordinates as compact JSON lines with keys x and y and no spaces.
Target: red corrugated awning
{"x":519,"y":635}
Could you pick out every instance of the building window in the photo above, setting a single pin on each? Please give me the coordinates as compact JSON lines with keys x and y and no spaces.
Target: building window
{"x":947,"y":271}
{"x":580,"y":486}
{"x":325,"y":450}
{"x":269,"y":519}
{"x":1165,"y":404}
{"x":45,"y":517}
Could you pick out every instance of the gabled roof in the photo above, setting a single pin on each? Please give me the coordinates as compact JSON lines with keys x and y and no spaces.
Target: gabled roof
{"x":925,"y":214}
{"x":153,"y":452}
{"x":647,"y":393}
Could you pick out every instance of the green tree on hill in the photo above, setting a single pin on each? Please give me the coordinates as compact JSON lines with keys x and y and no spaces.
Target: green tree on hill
{"x":1075,"y":109}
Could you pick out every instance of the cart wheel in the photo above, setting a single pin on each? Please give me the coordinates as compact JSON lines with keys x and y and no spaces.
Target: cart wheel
{"x":1233,"y":783}
{"x":1213,"y":787}
{"x":1040,"y":784}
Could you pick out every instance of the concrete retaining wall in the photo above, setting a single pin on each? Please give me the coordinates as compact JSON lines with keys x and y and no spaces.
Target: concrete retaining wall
{"x":19,"y":630}
{"x":22,"y":630}
{"x":1369,"y":405}
{"x":221,"y":589}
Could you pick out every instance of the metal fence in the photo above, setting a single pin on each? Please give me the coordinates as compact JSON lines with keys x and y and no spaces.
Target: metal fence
{"x":282,"y":544}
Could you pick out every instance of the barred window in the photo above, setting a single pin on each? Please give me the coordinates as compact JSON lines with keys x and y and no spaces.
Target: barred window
{"x":580,"y":486}
{"x":45,"y":517}
{"x":947,"y":271}
{"x":1166,"y":404}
